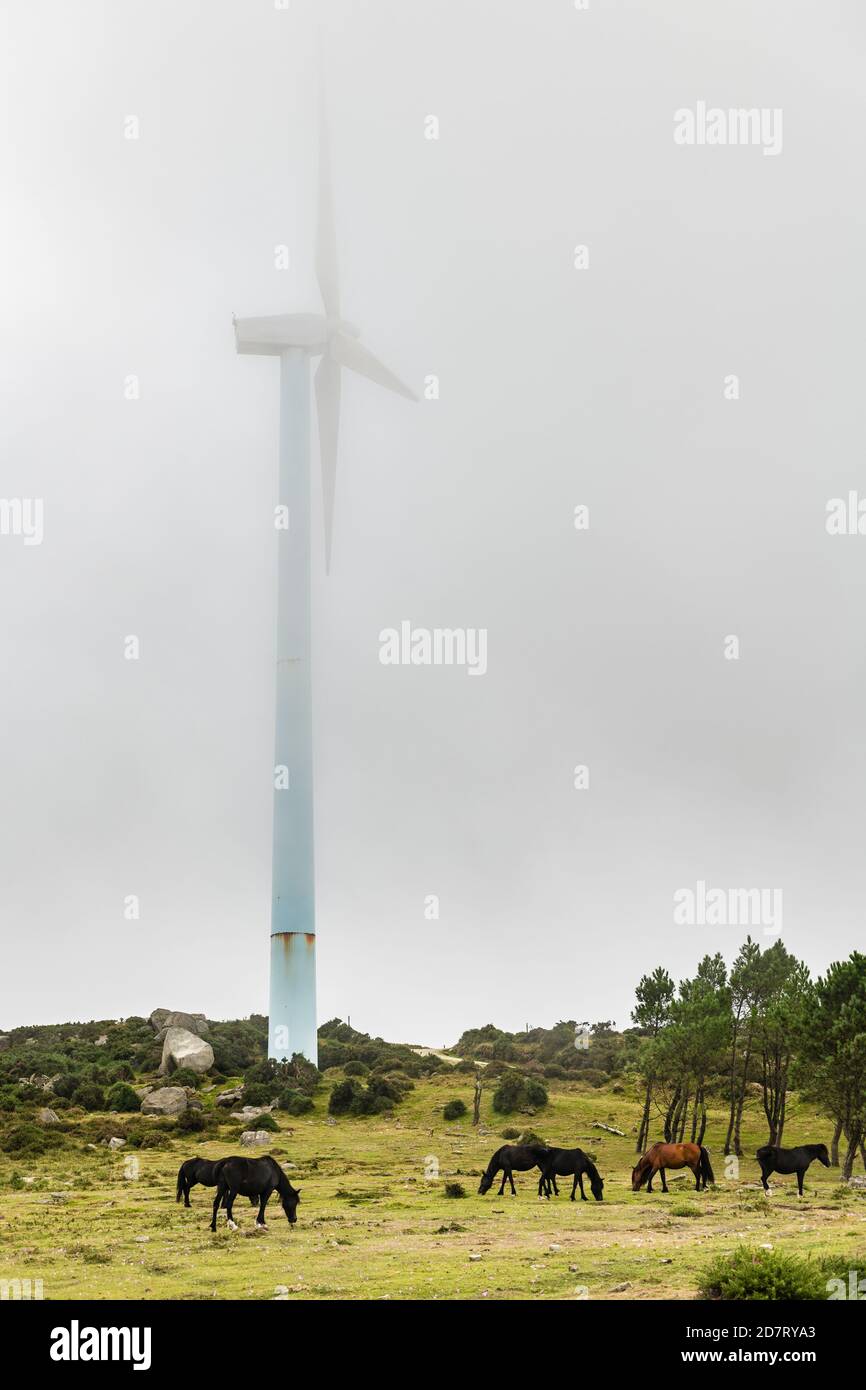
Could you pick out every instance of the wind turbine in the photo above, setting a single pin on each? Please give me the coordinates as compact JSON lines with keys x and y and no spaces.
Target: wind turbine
{"x":295,"y":339}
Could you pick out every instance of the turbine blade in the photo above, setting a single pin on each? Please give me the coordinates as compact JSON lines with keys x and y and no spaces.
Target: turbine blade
{"x":352,"y":354}
{"x":328,"y":411}
{"x":327,"y":271}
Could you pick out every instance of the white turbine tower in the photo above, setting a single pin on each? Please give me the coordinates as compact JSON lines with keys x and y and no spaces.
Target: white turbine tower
{"x":295,"y":339}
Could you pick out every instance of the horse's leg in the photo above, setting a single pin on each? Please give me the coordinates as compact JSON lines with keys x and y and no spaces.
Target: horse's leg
{"x":578,"y":1178}
{"x":651,"y":1172}
{"x":502,"y":1184}
{"x":664,"y":1180}
{"x":764,"y":1176}
{"x":216,"y":1206}
{"x":263,"y":1202}
{"x":511,"y":1180}
{"x":800,"y":1175}
{"x":230,"y":1197}
{"x":186,"y":1188}
{"x":697,"y":1172}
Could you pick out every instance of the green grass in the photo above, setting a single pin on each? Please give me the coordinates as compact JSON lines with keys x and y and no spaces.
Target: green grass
{"x":374,"y":1220}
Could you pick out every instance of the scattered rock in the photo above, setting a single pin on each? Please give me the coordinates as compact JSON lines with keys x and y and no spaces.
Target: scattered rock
{"x":47,"y":1117}
{"x":281,"y":1293}
{"x":473,"y":1258}
{"x":102,"y":1040}
{"x":251,"y":1137}
{"x":554,"y":1249}
{"x":116,"y":1143}
{"x":228,"y":1098}
{"x":181,"y":1048}
{"x":251,"y":1112}
{"x":620,"y":1288}
{"x":170,"y":1100}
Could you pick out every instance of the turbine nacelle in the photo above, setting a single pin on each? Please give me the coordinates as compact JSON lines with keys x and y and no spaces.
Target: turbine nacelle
{"x":270,"y":336}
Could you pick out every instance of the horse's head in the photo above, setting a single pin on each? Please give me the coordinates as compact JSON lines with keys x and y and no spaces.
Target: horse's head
{"x":485,"y":1184}
{"x":637,"y":1175}
{"x":597,"y":1187}
{"x":823,"y":1156}
{"x":290,"y":1197}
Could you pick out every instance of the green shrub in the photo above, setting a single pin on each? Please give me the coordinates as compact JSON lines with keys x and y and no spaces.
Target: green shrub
{"x":595,"y":1077}
{"x":259,"y":1093}
{"x":122,"y":1098}
{"x":356,"y":1069}
{"x":190,"y":1122}
{"x":530,"y":1137}
{"x":265,"y":1121}
{"x":454,"y":1189}
{"x":185,"y":1076}
{"x":751,"y":1273}
{"x":343,"y":1097}
{"x":27,"y":1140}
{"x":518,"y":1092}
{"x":453,"y":1110}
{"x":510,"y":1133}
{"x":89,"y":1096}
{"x":294,"y":1102}
{"x":65,"y":1085}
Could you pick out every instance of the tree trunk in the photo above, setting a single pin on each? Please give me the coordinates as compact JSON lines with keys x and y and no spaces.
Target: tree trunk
{"x":700,"y":1138}
{"x":741,"y":1099}
{"x":733,"y":1110}
{"x":670,"y":1116}
{"x":834,"y":1147}
{"x":643,"y":1132}
{"x":853,"y":1146}
{"x":476,"y":1108}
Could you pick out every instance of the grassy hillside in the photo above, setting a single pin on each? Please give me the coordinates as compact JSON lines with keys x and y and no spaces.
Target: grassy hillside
{"x":374,"y":1221}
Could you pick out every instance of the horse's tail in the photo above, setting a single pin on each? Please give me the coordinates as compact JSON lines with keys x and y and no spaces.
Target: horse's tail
{"x":706,"y":1167}
{"x":180,"y":1182}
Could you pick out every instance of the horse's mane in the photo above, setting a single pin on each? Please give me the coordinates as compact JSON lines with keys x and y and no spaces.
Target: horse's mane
{"x":591,"y":1168}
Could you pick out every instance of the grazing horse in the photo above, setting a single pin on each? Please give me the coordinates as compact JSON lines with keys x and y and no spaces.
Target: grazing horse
{"x":510,"y":1157}
{"x":197,"y":1171}
{"x":660,"y":1156}
{"x":255,"y":1178}
{"x":775,"y":1160}
{"x":564,"y":1162}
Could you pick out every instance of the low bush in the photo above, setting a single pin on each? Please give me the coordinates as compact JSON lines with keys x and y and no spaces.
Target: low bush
{"x":294,"y":1102}
{"x":122,"y":1098}
{"x":518,"y":1092}
{"x":453,"y":1110}
{"x":89,"y":1096}
{"x":771,"y":1275}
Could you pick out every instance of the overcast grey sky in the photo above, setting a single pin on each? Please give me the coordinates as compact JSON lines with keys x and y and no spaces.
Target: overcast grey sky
{"x":559,"y":386}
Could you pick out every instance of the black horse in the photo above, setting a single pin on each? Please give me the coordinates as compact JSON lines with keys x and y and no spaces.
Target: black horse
{"x":510,"y":1157}
{"x":775,"y":1160}
{"x":195,"y":1171}
{"x":564,"y":1162}
{"x":254,"y":1178}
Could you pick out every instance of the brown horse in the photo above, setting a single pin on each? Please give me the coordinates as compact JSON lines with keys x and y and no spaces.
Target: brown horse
{"x":660,"y":1156}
